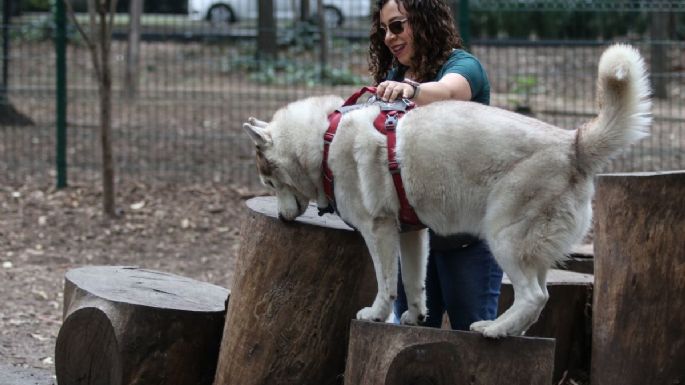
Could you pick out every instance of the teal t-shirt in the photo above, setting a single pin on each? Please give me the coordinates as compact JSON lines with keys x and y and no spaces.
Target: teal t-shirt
{"x":462,"y":63}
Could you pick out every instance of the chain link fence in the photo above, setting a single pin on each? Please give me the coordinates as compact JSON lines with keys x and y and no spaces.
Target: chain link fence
{"x":200,"y":75}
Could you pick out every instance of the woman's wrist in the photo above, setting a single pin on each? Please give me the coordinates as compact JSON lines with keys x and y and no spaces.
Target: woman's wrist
{"x":416,"y":86}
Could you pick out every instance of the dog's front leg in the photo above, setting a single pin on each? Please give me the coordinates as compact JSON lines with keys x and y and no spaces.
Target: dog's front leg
{"x":414,"y":257}
{"x":382,"y":240}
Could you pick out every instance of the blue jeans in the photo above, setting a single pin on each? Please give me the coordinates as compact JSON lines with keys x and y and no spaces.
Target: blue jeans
{"x":464,"y":281}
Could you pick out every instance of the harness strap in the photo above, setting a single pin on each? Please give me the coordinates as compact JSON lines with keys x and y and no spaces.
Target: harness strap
{"x":333,"y":121}
{"x":385,"y":123}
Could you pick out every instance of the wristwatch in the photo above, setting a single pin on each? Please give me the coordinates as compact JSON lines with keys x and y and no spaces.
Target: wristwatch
{"x":415,"y":85}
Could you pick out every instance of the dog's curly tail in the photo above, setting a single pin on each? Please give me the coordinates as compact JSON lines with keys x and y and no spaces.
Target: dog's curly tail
{"x":623,"y":95}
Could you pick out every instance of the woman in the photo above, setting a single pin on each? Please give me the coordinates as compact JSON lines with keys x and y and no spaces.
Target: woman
{"x":416,"y":53}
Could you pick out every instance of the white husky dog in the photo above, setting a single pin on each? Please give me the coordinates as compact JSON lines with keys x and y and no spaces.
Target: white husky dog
{"x":522,"y":185}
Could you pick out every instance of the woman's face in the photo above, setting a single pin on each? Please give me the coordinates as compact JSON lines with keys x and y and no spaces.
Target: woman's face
{"x":401,"y":44}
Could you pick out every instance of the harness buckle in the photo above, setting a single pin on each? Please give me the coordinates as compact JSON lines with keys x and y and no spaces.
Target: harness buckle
{"x":391,"y":120}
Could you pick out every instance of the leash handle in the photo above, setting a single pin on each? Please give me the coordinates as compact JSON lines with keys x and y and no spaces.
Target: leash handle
{"x":355,"y":96}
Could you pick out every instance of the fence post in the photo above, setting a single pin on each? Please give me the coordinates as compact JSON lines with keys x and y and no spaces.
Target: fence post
{"x":61,"y":93}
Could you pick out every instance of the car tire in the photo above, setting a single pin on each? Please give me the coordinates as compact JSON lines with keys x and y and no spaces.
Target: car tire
{"x":220,"y":14}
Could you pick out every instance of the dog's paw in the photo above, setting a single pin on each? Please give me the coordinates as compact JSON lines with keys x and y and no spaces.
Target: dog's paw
{"x":480,"y":326}
{"x":495,"y":331}
{"x":412,"y":318}
{"x":370,"y":314}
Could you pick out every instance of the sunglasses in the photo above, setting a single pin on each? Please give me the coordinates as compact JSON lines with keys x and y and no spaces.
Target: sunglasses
{"x":396,"y":27}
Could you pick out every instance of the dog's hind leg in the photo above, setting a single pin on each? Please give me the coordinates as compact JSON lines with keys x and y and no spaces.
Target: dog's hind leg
{"x":414,"y":257}
{"x":382,"y":240}
{"x":529,"y":300}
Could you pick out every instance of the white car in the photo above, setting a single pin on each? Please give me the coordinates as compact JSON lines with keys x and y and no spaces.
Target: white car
{"x":229,"y":11}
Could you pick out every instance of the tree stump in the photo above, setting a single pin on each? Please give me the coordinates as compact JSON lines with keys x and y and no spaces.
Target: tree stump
{"x":566,"y":318}
{"x":385,"y":354}
{"x":125,"y":325}
{"x":639,"y":300}
{"x":297,"y":285}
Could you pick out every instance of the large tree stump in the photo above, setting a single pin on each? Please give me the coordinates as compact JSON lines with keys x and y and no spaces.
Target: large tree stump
{"x":385,"y":354}
{"x":125,"y":325}
{"x":639,"y":300}
{"x":297,"y":285}
{"x":566,"y":318}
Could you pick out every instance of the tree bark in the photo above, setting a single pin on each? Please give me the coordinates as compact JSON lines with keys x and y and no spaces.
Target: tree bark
{"x":296,"y":288}
{"x":385,"y":354}
{"x":566,"y":318}
{"x":125,"y":325}
{"x":639,"y":299}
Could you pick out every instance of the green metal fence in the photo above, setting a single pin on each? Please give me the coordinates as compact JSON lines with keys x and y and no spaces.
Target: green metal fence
{"x":198,"y":81}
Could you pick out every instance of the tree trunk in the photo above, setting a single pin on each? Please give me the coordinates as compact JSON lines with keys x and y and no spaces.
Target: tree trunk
{"x":384,"y":354}
{"x":105,"y":86}
{"x":658,"y":34}
{"x":305,"y":11}
{"x":323,"y":40}
{"x":266,"y":31}
{"x":639,"y":300}
{"x":125,"y":326}
{"x":132,"y":74}
{"x":566,"y":318}
{"x":297,"y":286}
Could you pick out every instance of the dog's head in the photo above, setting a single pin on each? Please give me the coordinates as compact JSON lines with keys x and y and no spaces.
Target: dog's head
{"x":289,"y":150}
{"x":278,"y":171}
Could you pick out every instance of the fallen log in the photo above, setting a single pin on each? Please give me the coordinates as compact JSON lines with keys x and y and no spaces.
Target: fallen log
{"x":126,"y":325}
{"x":385,"y":354}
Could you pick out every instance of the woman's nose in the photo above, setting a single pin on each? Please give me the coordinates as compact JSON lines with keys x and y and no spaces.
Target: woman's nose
{"x":389,"y":35}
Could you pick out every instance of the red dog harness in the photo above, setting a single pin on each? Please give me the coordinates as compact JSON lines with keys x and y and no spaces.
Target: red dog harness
{"x":385,"y":123}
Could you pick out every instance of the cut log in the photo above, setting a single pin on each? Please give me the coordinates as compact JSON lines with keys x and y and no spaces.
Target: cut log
{"x":639,"y":299}
{"x":385,"y":354}
{"x":125,"y":325}
{"x":566,"y":318}
{"x":297,"y":285}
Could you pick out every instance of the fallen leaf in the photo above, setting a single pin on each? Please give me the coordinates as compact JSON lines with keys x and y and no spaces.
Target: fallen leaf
{"x":39,"y":337}
{"x":137,"y":205}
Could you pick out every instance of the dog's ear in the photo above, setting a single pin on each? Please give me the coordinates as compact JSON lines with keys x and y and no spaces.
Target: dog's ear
{"x":258,"y":134}
{"x":256,"y":122}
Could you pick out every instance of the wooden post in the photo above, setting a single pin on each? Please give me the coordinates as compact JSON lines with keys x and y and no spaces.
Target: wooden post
{"x":639,"y":299}
{"x":566,"y":318}
{"x":385,"y":354}
{"x":297,"y":286}
{"x":125,"y":326}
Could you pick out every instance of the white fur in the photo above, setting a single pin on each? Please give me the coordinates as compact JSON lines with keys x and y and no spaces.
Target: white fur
{"x":522,"y":185}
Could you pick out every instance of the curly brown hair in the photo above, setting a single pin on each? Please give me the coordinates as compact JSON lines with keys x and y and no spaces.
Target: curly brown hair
{"x":435,"y":36}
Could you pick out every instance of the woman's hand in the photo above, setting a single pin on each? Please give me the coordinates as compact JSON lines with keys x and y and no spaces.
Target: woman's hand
{"x":389,"y":91}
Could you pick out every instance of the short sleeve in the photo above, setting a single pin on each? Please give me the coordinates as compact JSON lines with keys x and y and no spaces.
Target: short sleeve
{"x":466,"y":65}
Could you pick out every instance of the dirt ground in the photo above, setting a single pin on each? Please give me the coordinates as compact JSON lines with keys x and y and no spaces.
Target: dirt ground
{"x":186,"y":230}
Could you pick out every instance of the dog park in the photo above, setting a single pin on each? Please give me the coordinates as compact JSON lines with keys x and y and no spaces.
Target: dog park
{"x":198,"y":281}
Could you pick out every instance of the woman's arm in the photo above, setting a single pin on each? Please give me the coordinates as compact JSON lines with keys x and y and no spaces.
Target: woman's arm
{"x":451,"y":87}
